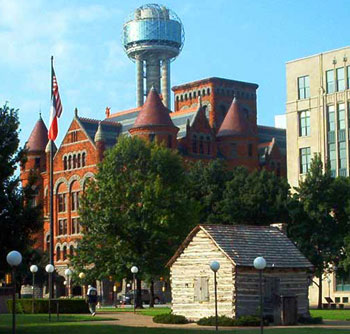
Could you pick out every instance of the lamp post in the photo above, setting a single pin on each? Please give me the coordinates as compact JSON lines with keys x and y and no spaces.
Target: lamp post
{"x":33,"y":268}
{"x":260,"y":264}
{"x":329,"y":287}
{"x":68,"y":274}
{"x":215,"y":266}
{"x":134,"y":271}
{"x":50,"y":269}
{"x":82,"y":276}
{"x":14,"y":259}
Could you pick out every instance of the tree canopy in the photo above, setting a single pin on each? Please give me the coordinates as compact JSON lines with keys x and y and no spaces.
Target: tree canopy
{"x":19,"y":220}
{"x":135,"y":212}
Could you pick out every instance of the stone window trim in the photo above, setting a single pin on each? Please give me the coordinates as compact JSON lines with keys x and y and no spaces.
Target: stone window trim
{"x":74,"y":160}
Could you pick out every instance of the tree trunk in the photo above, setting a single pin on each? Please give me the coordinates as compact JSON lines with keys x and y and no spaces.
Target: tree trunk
{"x":138,"y":300}
{"x":151,"y":302}
{"x":319,"y":306}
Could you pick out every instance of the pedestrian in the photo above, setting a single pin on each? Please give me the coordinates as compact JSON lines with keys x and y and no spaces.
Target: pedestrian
{"x":92,"y":299}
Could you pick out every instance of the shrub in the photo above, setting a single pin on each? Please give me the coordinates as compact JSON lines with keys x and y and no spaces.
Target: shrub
{"x":248,"y":320}
{"x":310,"y":320}
{"x":42,"y":305}
{"x":170,"y":319}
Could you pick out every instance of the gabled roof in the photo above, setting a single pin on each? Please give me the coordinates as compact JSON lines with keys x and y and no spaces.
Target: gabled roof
{"x":243,"y":243}
{"x":111,"y":130}
{"x":199,"y":120}
{"x":38,"y":138}
{"x":235,"y":122}
{"x":153,"y":112}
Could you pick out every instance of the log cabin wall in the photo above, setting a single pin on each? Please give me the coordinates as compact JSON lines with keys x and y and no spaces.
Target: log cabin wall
{"x":192,"y":280}
{"x":283,"y":282}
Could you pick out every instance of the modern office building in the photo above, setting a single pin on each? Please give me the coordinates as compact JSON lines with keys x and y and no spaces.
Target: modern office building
{"x":317,"y":111}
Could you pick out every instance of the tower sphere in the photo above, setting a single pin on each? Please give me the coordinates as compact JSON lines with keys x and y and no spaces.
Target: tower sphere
{"x":153,"y":29}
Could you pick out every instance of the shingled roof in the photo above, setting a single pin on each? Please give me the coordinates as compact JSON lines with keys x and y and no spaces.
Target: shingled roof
{"x":111,"y":130}
{"x":38,"y":138}
{"x":243,"y":243}
{"x":153,"y":112}
{"x":235,"y":123}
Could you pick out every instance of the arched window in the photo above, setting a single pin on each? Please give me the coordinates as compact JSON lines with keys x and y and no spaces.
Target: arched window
{"x":201,"y":145}
{"x":58,"y":253}
{"x":65,"y":163}
{"x":70,"y":162}
{"x":208,"y":91}
{"x":185,"y":97}
{"x":203,"y":92}
{"x":177,"y":98}
{"x":194,"y":95}
{"x":199,"y":93}
{"x":78,"y":160}
{"x":209,"y":144}
{"x":194,"y":144}
{"x":181,"y":98}
{"x":64,"y":253}
{"x":83,"y":157}
{"x":190,"y":96}
{"x":74,"y":161}
{"x":71,"y":250}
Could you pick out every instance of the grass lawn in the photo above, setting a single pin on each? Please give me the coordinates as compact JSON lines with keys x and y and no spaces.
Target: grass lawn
{"x":146,"y":311}
{"x":331,"y":314}
{"x":77,"y":324}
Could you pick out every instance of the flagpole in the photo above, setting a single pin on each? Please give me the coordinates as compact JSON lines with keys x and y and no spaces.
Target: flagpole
{"x":51,"y":205}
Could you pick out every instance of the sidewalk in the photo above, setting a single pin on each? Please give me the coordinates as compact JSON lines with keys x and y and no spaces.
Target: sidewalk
{"x":129,"y":319}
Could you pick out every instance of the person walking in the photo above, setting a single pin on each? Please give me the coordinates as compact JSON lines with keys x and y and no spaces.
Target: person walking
{"x":92,"y":299}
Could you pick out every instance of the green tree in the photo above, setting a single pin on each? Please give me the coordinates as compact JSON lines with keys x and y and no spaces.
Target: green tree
{"x":19,"y":219}
{"x":136,"y":212}
{"x":207,"y":184}
{"x":255,"y":198}
{"x":314,"y":227}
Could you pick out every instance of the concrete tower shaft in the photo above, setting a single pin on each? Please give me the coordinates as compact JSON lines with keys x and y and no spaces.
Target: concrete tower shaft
{"x":153,"y":36}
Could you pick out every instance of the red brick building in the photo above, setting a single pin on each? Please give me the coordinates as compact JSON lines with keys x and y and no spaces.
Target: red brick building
{"x":213,"y":118}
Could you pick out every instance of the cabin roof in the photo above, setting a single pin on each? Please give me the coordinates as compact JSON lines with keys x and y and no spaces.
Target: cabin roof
{"x":243,"y":243}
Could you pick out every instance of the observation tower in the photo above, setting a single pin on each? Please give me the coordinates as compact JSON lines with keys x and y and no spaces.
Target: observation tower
{"x":153,"y":35}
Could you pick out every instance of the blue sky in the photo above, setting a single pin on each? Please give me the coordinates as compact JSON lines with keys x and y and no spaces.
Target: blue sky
{"x":243,"y":40}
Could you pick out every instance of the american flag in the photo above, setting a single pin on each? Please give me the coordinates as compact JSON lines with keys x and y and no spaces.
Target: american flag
{"x":56,"y":95}
{"x":56,"y":107}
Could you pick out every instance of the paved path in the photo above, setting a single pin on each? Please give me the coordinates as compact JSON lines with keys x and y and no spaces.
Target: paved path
{"x":130,"y":319}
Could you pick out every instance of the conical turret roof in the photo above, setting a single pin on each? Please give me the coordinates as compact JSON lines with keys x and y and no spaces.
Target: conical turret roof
{"x":235,"y":122}
{"x":38,"y":138}
{"x":153,"y":112}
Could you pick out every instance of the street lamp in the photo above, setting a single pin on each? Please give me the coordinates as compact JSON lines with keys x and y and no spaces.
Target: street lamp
{"x":329,"y":287}
{"x":14,"y":259}
{"x":33,"y":268}
{"x":260,"y":264}
{"x":215,"y":266}
{"x":82,"y":276}
{"x":68,"y":274}
{"x":50,"y":269}
{"x":134,"y":271}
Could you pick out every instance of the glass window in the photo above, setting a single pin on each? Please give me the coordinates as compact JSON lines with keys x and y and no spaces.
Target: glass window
{"x":304,"y":87}
{"x":61,"y":202}
{"x":250,"y":150}
{"x":70,"y":162}
{"x":341,"y":116}
{"x":340,"y":79}
{"x":83,"y":156}
{"x":65,"y":163}
{"x":75,"y":200}
{"x":342,"y":155}
{"x":331,"y":118}
{"x":348,"y":73}
{"x":305,"y":159}
{"x":330,"y":81}
{"x":304,"y":123}
{"x":64,"y":253}
{"x":343,"y":282}
{"x":332,"y":157}
{"x":58,"y":253}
